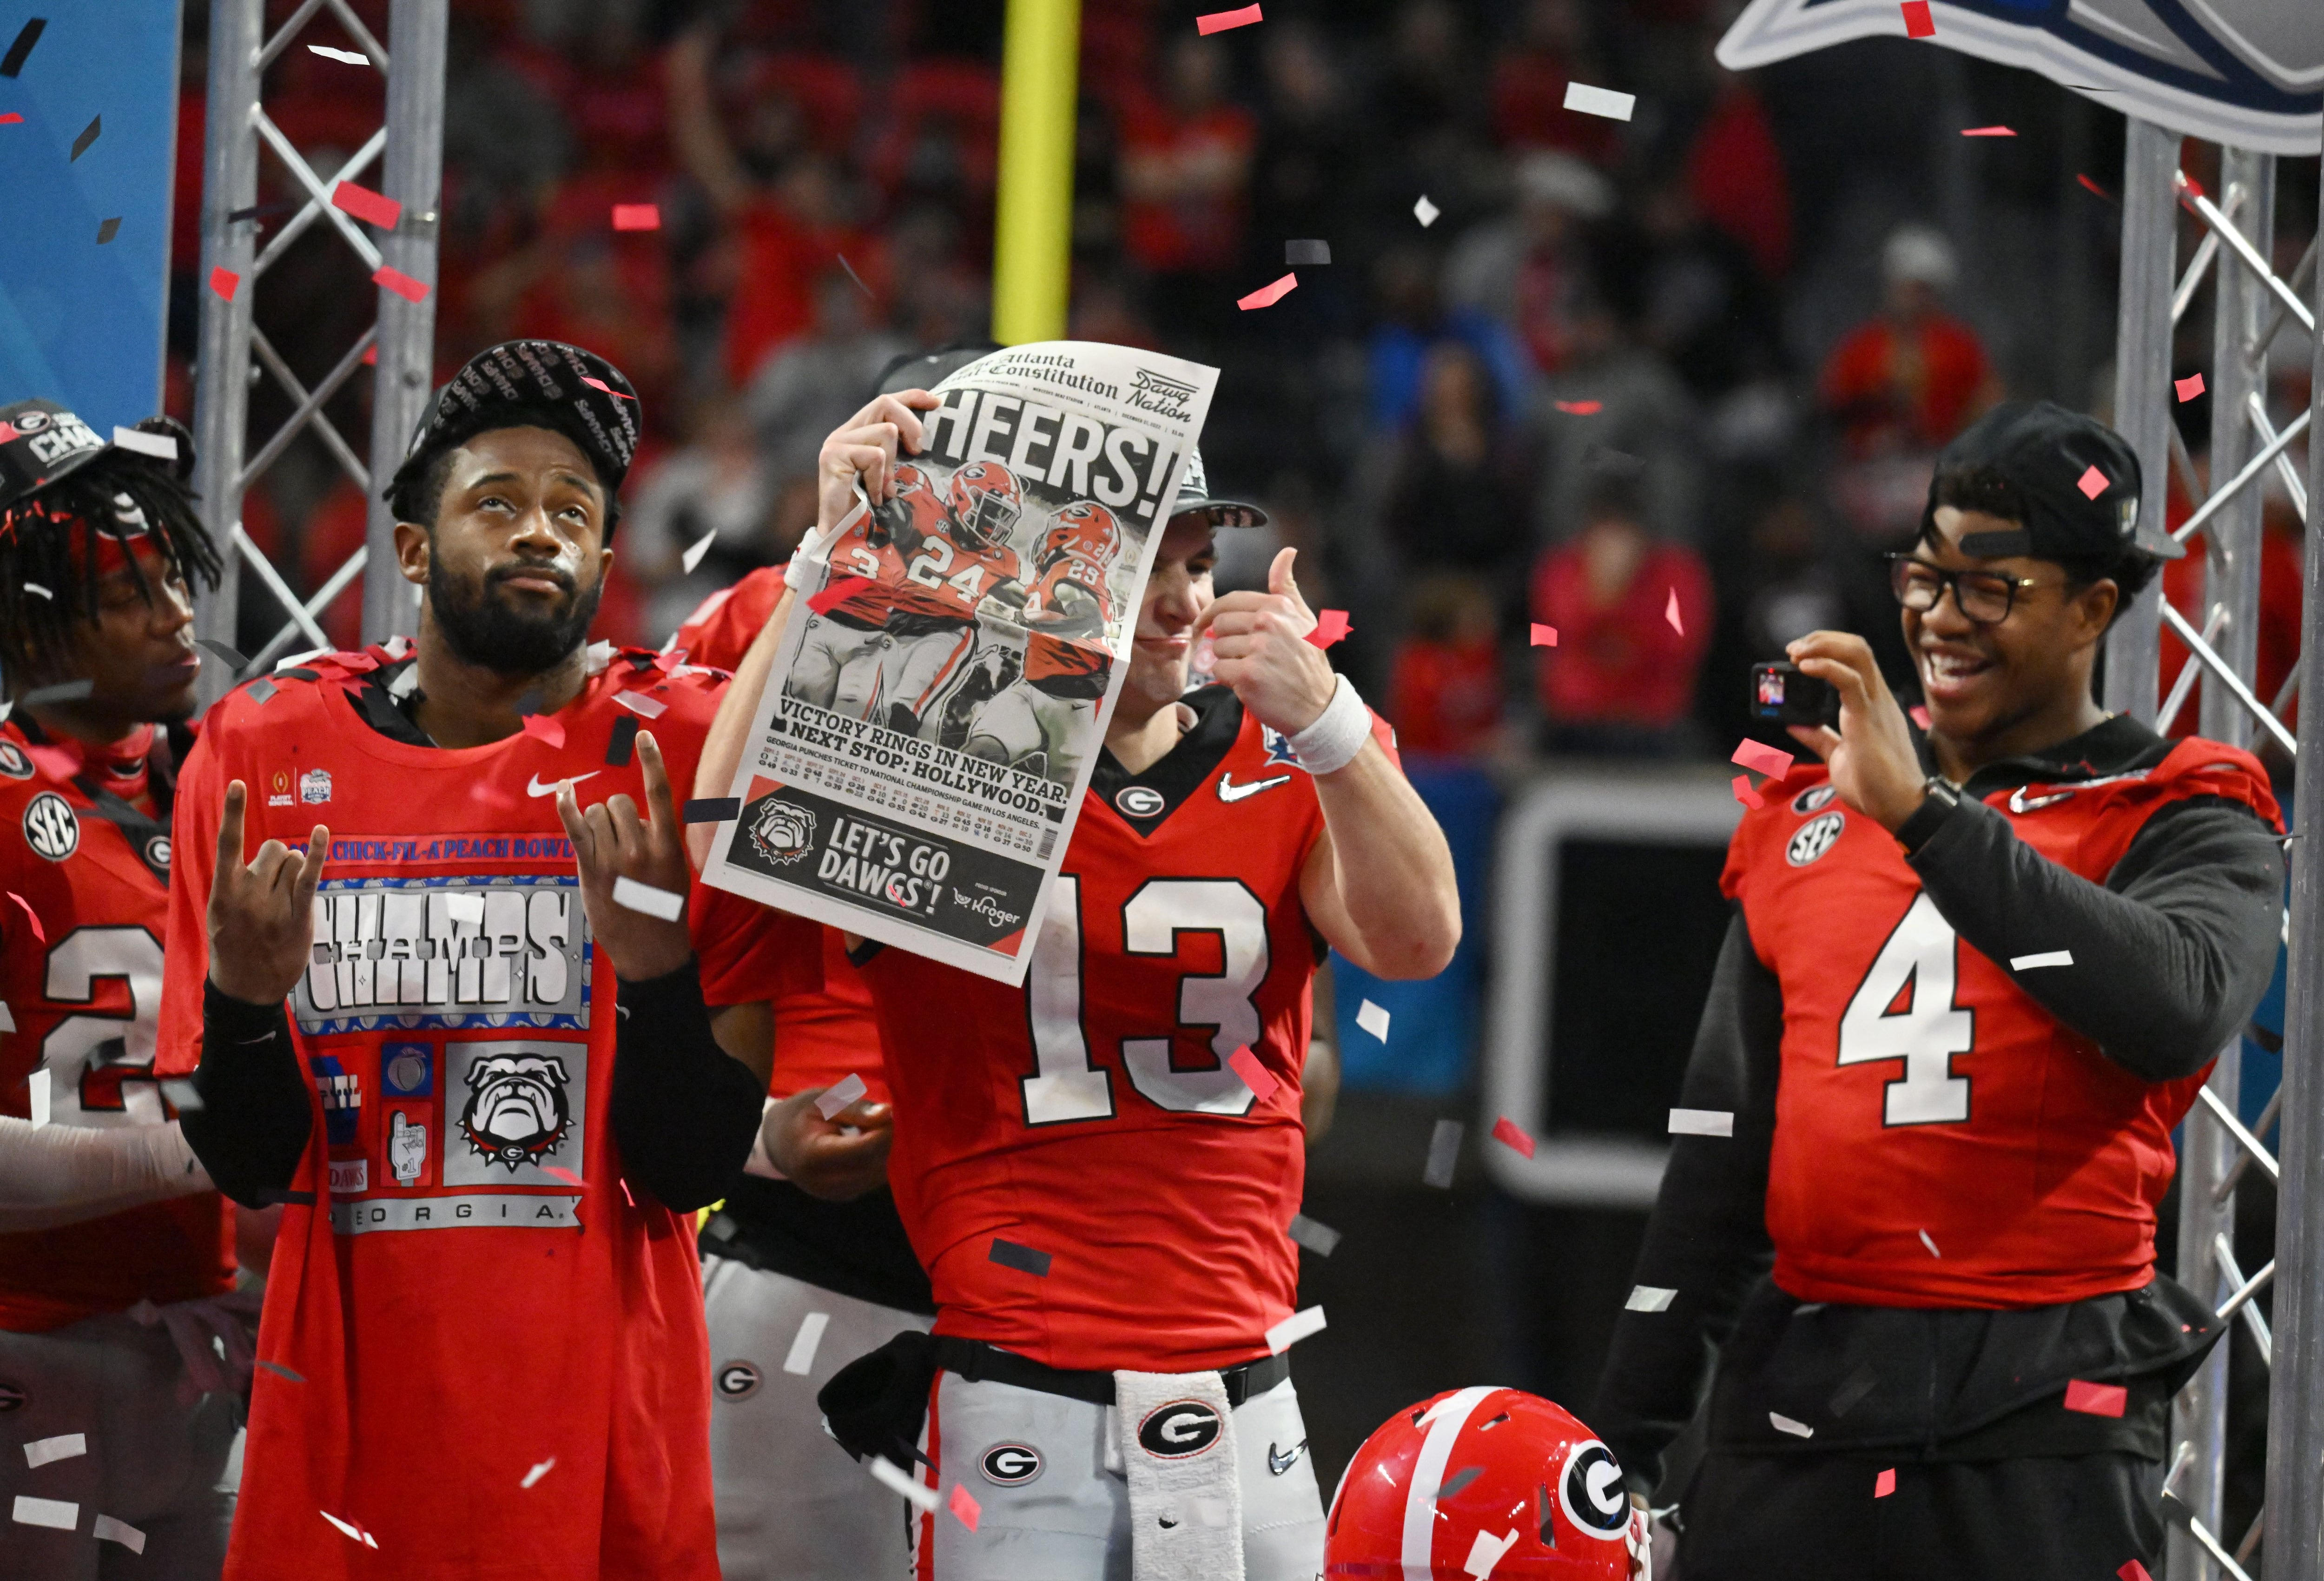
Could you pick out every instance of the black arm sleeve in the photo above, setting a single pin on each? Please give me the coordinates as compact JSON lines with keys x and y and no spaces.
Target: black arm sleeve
{"x":683,"y":1110}
{"x":253,"y":1126}
{"x":2170,"y":953}
{"x":1707,"y":1240}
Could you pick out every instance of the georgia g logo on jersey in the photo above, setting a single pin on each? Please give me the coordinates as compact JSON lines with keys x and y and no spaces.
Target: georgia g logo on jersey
{"x":1591,"y":1491}
{"x":516,"y":1108}
{"x":1179,"y":1430}
{"x":782,"y":832}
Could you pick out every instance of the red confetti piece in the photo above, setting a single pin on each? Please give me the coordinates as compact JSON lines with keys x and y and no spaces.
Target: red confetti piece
{"x":395,"y":279}
{"x":1255,"y":1076}
{"x":1670,"y":613}
{"x":608,"y":389}
{"x":963,"y":1504}
{"x":224,"y":281}
{"x":543,"y":728}
{"x":2090,"y":186}
{"x":11,"y":119}
{"x":1986,"y":132}
{"x":1767,"y":760}
{"x":1331,"y":625}
{"x":837,"y":593}
{"x":1267,"y":296}
{"x":1884,"y":1483}
{"x":1918,"y":23}
{"x":1219,"y":21}
{"x":2092,"y":483}
{"x":2105,"y":1399}
{"x":2134,"y":1571}
{"x":1745,"y":795}
{"x":637,"y":217}
{"x":1919,"y":716}
{"x":2189,"y":387}
{"x":566,"y":1175}
{"x":372,"y":207}
{"x":1545,"y":636}
{"x":31,"y":916}
{"x":1580,"y":408}
{"x":625,"y":1195}
{"x":1510,"y":1135}
{"x":370,"y":357}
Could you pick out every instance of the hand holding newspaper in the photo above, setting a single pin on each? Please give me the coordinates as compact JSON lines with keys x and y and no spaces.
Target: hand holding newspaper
{"x":917,"y":760}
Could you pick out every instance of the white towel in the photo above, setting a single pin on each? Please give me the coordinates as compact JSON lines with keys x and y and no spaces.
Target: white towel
{"x":1185,"y":1489}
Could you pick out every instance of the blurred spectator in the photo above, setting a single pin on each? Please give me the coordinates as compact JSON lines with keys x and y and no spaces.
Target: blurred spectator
{"x":1616,"y":411}
{"x":808,"y":386}
{"x":1531,"y":269}
{"x":1788,"y":589}
{"x":1186,"y":184}
{"x":1412,"y":319}
{"x":1622,"y":678}
{"x":1554,"y":47}
{"x":1456,"y":498}
{"x":1307,"y":146}
{"x":1735,"y":172}
{"x":1427,"y":85}
{"x":1912,"y":377}
{"x":1446,"y":696}
{"x":721,"y":483}
{"x":1700,"y":303}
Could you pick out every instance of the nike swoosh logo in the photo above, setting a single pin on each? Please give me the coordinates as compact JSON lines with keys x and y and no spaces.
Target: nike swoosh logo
{"x":1279,"y":1464}
{"x":535,"y":788}
{"x":1230,"y":791}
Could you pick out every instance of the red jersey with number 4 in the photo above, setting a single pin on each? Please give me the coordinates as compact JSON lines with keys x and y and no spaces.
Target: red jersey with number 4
{"x":1084,"y":652}
{"x":92,"y":878}
{"x":474,"y":1292}
{"x":1941,"y":1139}
{"x":1092,"y":1116}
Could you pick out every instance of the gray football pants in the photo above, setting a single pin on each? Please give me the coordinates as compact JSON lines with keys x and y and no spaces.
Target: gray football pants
{"x":151,"y":1464}
{"x":792,"y":1504}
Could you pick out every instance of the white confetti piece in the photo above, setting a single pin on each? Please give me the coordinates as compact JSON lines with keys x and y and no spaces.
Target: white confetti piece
{"x":1931,"y":1245}
{"x":1649,"y":1299}
{"x":1600,"y":101}
{"x":37,"y":1084}
{"x":52,"y":1512}
{"x":1373,"y":1020}
{"x":1444,"y":1155}
{"x":839,"y":1094}
{"x":885,"y":1472}
{"x":1703,"y":1122}
{"x":639,"y":703}
{"x":164,"y":447}
{"x":801,"y":1361}
{"x":7,"y":1021}
{"x":38,"y":591}
{"x":1424,"y":211}
{"x":538,"y":1472}
{"x":63,"y":1446}
{"x":466,"y":908}
{"x":1318,"y":1238}
{"x":1783,"y":1424}
{"x":108,"y":1529}
{"x":646,"y":898}
{"x":351,"y":57}
{"x":1295,"y":1328}
{"x":2053,"y":957}
{"x":355,"y":1533}
{"x":696,"y":550}
{"x":1486,"y":1552}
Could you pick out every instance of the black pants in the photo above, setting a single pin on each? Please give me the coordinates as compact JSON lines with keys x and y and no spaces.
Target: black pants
{"x":1815,"y":1517}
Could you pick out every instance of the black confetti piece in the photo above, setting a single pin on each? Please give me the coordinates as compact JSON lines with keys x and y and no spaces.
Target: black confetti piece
{"x":279,"y":1367}
{"x":302,"y":674}
{"x":712,"y":809}
{"x":26,"y":37}
{"x":625,"y":736}
{"x":1306,"y":253}
{"x":257,"y":211}
{"x":226,"y":655}
{"x":2270,"y":1041}
{"x":179,"y":1091}
{"x":107,"y":229}
{"x":260,"y":691}
{"x":1852,"y":1393}
{"x":1444,"y":1155}
{"x":1023,"y":1259}
{"x":1319,"y":1238}
{"x":88,"y":134}
{"x":70,"y":691}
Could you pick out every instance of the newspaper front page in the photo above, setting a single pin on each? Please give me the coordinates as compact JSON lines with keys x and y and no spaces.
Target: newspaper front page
{"x":941,"y":693}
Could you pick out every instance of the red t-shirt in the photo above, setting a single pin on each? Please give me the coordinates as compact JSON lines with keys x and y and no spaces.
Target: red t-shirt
{"x":1923,"y":1091}
{"x":1200,"y":232}
{"x":458,"y":1305}
{"x":84,"y":1001}
{"x":1446,"y":696}
{"x":1622,"y":662}
{"x":1859,"y":382}
{"x":1091,"y":1115}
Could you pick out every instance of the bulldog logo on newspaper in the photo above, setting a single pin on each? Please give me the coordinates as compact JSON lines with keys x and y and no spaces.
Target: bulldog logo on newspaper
{"x":516,"y":1112}
{"x":782,"y":832}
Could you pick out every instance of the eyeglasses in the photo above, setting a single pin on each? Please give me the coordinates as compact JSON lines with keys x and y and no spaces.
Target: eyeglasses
{"x":1983,"y":596}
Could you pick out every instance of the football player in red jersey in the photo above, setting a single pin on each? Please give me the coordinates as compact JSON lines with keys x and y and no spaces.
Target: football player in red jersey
{"x":1033,"y":723}
{"x":1974,"y":979}
{"x":103,"y":1210}
{"x":957,"y":553}
{"x":1099,"y":1196}
{"x":494,"y":1096}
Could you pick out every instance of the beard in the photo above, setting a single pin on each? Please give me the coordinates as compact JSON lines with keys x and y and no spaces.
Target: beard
{"x":488,"y":632}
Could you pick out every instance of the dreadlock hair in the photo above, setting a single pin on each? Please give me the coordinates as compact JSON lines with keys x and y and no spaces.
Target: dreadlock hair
{"x":416,"y":493}
{"x":1986,"y":490}
{"x":41,"y":537}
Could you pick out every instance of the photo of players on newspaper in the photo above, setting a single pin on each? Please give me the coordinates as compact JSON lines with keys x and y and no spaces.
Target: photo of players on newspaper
{"x":939,"y":699}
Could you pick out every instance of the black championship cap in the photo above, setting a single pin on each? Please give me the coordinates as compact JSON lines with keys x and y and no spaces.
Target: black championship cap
{"x":41,"y":442}
{"x":597,"y":407}
{"x":2078,"y":480}
{"x":1195,"y":499}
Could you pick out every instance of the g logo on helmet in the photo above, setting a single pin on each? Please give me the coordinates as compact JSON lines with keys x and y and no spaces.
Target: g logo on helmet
{"x":782,"y":832}
{"x":1590,"y":1492}
{"x":737,"y":1380}
{"x":1179,"y":1430}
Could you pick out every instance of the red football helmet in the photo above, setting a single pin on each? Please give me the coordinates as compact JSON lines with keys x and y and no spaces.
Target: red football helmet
{"x":1485,"y":1483}
{"x":984,"y":502}
{"x":1084,"y":528}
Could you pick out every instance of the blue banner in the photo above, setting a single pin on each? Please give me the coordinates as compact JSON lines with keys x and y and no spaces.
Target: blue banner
{"x":85,"y":180}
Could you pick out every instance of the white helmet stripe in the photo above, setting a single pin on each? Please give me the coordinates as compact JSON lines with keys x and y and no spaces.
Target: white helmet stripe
{"x":1445,"y":1422}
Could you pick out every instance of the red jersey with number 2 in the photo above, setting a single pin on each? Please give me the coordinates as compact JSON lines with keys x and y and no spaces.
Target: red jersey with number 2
{"x":1092,"y":1114}
{"x":1941,"y":1139}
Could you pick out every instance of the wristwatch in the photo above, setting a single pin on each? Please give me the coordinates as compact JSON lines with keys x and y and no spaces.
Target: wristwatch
{"x":1939,"y":798}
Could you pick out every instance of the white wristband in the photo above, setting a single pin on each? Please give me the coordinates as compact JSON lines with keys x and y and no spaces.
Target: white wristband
{"x":810,"y":550}
{"x":1338,"y":733}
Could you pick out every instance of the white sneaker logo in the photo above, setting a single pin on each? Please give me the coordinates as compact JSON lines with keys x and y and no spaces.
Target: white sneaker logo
{"x":535,"y":788}
{"x":1230,"y":791}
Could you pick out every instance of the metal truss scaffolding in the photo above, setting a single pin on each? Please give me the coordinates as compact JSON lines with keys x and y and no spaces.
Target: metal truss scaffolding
{"x":235,"y":353}
{"x":2252,"y":306}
